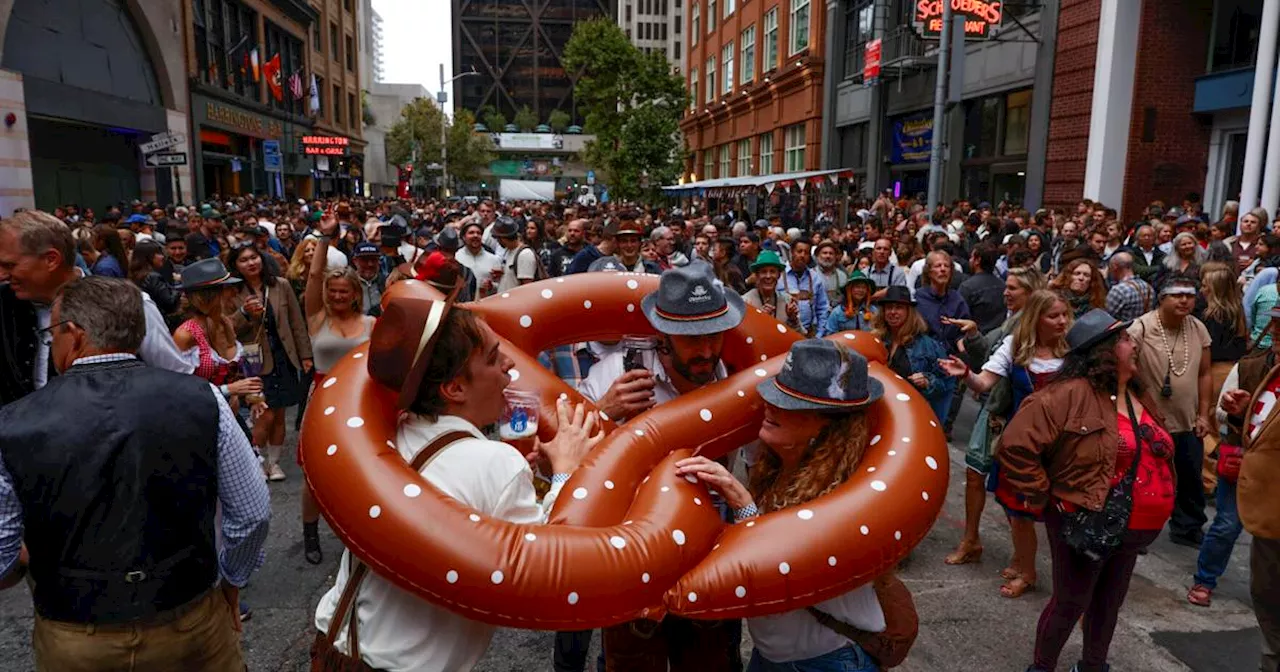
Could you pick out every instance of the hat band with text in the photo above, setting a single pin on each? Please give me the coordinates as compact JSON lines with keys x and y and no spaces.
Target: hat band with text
{"x":691,"y":318}
{"x":826,"y":401}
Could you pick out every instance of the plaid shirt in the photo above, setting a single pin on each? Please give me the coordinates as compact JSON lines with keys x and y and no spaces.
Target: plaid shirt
{"x":246,"y":508}
{"x":571,"y":363}
{"x":1130,"y":299}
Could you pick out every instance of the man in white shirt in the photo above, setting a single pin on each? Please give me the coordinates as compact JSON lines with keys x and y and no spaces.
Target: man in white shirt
{"x":519,"y":261}
{"x":480,"y":261}
{"x":691,"y":311}
{"x":398,"y":631}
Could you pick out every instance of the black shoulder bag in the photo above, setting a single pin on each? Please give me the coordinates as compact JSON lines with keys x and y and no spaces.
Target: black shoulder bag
{"x":1094,"y":534}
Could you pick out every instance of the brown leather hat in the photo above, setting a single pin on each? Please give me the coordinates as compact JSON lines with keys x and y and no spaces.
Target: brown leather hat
{"x":402,"y":342}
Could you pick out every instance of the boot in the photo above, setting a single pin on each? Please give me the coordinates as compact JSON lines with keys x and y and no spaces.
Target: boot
{"x":311,"y":543}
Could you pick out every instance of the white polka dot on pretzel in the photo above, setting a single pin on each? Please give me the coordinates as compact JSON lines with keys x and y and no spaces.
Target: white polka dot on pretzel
{"x":375,"y":511}
{"x":678,"y":537}
{"x":587,"y":304}
{"x":329,"y":382}
{"x":878,"y":486}
{"x":355,"y":422}
{"x":496,"y":577}
{"x":705,"y":414}
{"x":546,"y":294}
{"x":526,"y":321}
{"x":784,"y":568}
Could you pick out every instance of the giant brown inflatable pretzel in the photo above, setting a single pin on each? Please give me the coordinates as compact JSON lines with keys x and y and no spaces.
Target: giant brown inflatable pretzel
{"x":628,"y":538}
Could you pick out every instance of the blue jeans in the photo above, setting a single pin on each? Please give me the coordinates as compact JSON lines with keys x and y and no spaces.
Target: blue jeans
{"x":1215,"y":550}
{"x":847,"y":659}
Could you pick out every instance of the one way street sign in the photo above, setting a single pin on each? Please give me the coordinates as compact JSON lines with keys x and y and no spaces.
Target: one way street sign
{"x":171,"y":159}
{"x":162,"y":141}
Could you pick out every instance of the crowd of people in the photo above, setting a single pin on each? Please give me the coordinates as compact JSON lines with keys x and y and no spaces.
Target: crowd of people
{"x":1123,"y":372}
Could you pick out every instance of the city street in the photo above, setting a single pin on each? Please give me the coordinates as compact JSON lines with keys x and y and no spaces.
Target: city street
{"x":964,"y":623}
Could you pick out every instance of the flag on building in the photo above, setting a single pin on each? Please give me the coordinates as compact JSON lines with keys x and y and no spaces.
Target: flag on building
{"x":253,"y":62}
{"x":295,"y":85}
{"x":271,"y":72}
{"x":315,"y":95}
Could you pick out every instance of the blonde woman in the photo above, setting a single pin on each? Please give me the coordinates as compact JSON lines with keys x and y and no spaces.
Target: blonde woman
{"x":334,"y":307}
{"x":300,"y":265}
{"x":815,"y":434}
{"x":913,"y":353}
{"x":1027,"y":359}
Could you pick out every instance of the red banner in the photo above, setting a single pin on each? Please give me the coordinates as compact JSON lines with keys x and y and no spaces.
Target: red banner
{"x":871,"y":64}
{"x":271,"y":72}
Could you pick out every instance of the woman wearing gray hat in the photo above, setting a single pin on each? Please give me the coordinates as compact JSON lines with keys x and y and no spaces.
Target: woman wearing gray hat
{"x":815,"y":432}
{"x":1090,"y":451}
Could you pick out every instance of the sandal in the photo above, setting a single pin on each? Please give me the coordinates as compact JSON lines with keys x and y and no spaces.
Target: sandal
{"x":1200,"y":595}
{"x":311,"y":547}
{"x":1008,"y":573}
{"x":1016,"y":587}
{"x":964,"y":555}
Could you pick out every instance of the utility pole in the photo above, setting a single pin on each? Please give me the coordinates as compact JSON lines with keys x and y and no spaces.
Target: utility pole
{"x":444,"y":140}
{"x":939,"y":110}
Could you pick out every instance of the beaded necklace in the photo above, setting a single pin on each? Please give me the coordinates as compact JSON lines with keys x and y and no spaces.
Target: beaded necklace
{"x":1166,"y":390}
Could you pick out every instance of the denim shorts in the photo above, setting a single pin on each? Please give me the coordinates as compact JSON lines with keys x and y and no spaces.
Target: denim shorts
{"x":850,"y":658}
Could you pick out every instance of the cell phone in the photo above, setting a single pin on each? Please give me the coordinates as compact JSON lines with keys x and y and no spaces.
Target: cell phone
{"x":632,"y":360}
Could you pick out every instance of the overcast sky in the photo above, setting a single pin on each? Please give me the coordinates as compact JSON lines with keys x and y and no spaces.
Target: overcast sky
{"x":416,"y":38}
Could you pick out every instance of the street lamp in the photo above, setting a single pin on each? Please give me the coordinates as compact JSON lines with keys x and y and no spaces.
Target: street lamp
{"x":444,"y":140}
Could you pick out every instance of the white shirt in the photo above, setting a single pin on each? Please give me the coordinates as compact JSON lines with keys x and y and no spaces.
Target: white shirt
{"x":526,"y":267}
{"x":399,"y":630}
{"x":612,"y":365}
{"x":1001,"y":361}
{"x":480,"y":264}
{"x":797,"y":635}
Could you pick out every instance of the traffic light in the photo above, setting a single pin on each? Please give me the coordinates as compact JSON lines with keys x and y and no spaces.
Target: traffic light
{"x":484,"y":185}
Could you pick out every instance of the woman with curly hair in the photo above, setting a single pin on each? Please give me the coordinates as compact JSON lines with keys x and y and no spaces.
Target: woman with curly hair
{"x":913,"y":353}
{"x":1068,"y":450}
{"x":815,"y":434}
{"x":300,"y":265}
{"x":1026,"y":361}
{"x":1082,"y":286}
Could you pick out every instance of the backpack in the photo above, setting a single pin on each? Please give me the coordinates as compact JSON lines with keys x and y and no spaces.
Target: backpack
{"x":539,"y":273}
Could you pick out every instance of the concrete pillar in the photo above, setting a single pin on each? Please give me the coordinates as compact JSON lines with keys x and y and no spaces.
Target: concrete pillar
{"x":1109,"y":121}
{"x":877,"y":171}
{"x":833,"y":72}
{"x":1263,"y":78}
{"x":16,"y":180}
{"x":1041,"y":104}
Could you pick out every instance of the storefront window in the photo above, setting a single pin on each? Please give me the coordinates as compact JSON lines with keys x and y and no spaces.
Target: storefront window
{"x":1235,"y":34}
{"x":1017,"y":122}
{"x":853,"y":148}
{"x":982,"y":124}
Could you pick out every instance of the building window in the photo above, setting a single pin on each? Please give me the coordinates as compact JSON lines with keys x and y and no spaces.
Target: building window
{"x":676,"y":54}
{"x":744,"y":157}
{"x":724,"y":161}
{"x":346,"y":5}
{"x":728,"y":7}
{"x":351,"y":51}
{"x":320,"y":96}
{"x":693,"y":90}
{"x":799,"y":26}
{"x":352,"y":120}
{"x":770,"y":41}
{"x":676,"y":30}
{"x":793,"y":158}
{"x":317,"y":38}
{"x":711,"y":16}
{"x":1234,"y":40}
{"x":628,"y":12}
{"x":982,"y":127}
{"x":726,"y":55}
{"x":747,"y":68}
{"x":711,"y":79}
{"x":1017,"y":122}
{"x":859,"y":26}
{"x":334,"y":48}
{"x":696,"y":22}
{"x":337,"y":105}
{"x":766,"y":153}
{"x":708,"y":164}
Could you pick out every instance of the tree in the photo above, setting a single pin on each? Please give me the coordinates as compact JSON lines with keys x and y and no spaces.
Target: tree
{"x":633,"y":104}
{"x":525,"y":119}
{"x":366,"y":111}
{"x":495,"y":120}
{"x":419,"y":125}
{"x":559,"y":120}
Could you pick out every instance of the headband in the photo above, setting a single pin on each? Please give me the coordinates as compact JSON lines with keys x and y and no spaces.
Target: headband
{"x":1177,"y":289}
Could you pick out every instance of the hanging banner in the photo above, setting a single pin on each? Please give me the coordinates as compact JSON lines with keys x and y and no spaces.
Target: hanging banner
{"x":979,"y":17}
{"x":912,"y":139}
{"x":871,"y":63}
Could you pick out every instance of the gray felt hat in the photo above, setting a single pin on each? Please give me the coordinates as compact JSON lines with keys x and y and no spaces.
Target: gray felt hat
{"x":606,"y":264}
{"x":691,"y":302}
{"x":1092,"y":328}
{"x":206,"y":273}
{"x":821,"y":375}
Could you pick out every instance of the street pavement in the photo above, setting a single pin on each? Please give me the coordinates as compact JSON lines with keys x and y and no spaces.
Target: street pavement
{"x":965,"y":625}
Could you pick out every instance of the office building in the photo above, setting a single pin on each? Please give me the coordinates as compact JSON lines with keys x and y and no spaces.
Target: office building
{"x":656,"y":26}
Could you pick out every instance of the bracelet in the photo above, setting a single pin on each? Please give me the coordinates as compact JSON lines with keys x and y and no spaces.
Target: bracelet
{"x":559,"y":479}
{"x":748,"y":511}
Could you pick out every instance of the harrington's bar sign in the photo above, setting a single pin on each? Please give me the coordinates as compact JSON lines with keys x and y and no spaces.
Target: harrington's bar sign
{"x":325,"y":145}
{"x":242,"y":121}
{"x":979,"y":16}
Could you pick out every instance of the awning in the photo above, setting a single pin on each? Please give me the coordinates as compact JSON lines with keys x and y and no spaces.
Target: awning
{"x":733,"y":186}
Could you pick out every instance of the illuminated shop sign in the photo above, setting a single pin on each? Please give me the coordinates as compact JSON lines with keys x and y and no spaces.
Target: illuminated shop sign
{"x":325,"y":145}
{"x":979,"y":16}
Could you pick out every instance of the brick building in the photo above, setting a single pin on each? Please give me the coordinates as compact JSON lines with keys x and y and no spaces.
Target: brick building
{"x":755,"y":71}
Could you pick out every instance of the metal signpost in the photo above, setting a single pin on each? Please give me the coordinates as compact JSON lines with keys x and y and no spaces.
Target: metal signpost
{"x":152,"y":150}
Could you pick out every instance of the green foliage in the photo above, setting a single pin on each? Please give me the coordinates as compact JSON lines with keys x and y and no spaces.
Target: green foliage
{"x":366,"y":112}
{"x":419,"y":125}
{"x":525,"y":119}
{"x":633,"y":104}
{"x":495,"y":120}
{"x":559,"y":120}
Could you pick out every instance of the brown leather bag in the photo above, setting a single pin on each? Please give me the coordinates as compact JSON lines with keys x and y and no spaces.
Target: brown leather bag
{"x":325,"y":657}
{"x":901,"y":623}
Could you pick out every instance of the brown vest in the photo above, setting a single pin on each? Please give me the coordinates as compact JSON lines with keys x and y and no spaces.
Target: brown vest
{"x":1260,"y":470}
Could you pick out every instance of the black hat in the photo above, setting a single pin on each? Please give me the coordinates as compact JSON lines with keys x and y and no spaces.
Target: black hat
{"x":365,"y":248}
{"x":1092,"y":328}
{"x":206,"y":273}
{"x":391,"y":237}
{"x":448,"y":239}
{"x":821,"y":375}
{"x":896,"y":294}
{"x":505,"y":227}
{"x":690,"y":301}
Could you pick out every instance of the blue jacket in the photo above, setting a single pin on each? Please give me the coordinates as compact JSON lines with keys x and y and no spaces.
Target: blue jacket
{"x":933,"y":307}
{"x":838,"y":322}
{"x":924,"y":353}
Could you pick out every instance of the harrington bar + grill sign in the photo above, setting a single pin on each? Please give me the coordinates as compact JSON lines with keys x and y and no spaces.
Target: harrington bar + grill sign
{"x":979,"y":16}
{"x":325,"y":145}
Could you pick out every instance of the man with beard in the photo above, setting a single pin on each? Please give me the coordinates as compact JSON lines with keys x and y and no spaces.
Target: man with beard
{"x":691,"y":312}
{"x":477,"y":259}
{"x":834,"y":277}
{"x":574,"y":241}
